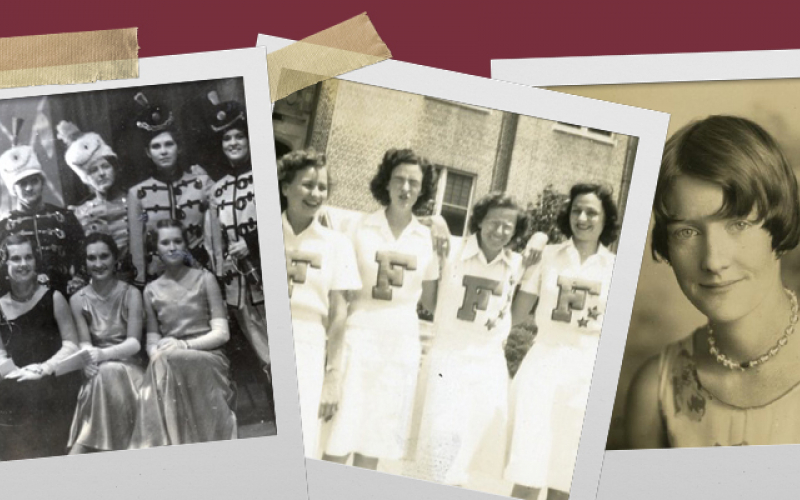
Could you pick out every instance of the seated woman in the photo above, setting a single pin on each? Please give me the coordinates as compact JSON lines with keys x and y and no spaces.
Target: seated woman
{"x":37,"y":332}
{"x":109,"y":318}
{"x":186,"y":396}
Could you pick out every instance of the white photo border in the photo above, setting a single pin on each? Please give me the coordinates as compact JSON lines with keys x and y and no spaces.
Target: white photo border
{"x":327,"y":481}
{"x":732,"y":472}
{"x":237,"y":469}
{"x":649,"y":68}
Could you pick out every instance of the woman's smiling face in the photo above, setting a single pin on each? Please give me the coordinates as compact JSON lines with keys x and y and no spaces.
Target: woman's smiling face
{"x":307,"y":191}
{"x":99,"y":261}
{"x":724,"y":265}
{"x":235,"y":145}
{"x":586,"y":218}
{"x":21,"y":262}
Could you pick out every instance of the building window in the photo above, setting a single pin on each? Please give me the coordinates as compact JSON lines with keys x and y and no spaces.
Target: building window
{"x":594,"y":134}
{"x":454,"y":199}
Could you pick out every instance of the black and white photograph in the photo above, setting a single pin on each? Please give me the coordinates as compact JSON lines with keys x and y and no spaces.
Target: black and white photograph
{"x":133,"y":302}
{"x":449,"y":266}
{"x":711,"y":358}
{"x":129,"y":239}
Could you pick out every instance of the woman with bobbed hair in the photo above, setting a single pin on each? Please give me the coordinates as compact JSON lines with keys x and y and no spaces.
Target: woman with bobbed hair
{"x":109,"y":318}
{"x":37,"y":332}
{"x":322,"y":269}
{"x":568,"y":288}
{"x":726,"y":209}
{"x":398,"y":269}
{"x":466,"y":403}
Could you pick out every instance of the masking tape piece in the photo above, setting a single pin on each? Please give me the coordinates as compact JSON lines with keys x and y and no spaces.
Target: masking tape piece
{"x":339,"y":49}
{"x":66,"y":58}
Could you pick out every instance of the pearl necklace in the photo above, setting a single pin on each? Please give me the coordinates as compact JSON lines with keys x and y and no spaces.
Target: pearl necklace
{"x":745,"y":365}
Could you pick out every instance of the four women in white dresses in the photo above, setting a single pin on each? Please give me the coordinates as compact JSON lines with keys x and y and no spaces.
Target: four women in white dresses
{"x":480,"y":293}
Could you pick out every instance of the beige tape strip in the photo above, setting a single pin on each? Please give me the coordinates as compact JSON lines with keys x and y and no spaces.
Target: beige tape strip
{"x":337,"y":50}
{"x":69,"y":58}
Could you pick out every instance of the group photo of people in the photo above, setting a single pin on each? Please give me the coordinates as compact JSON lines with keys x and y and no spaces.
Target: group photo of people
{"x":448,"y":269}
{"x":131,"y":301}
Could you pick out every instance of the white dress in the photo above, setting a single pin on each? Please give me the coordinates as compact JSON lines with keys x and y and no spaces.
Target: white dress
{"x":318,"y":260}
{"x":382,"y":346}
{"x":464,"y":419}
{"x":550,"y":390}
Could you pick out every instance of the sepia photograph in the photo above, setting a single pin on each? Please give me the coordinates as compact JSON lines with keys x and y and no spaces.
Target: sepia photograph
{"x":446,"y":263}
{"x":711,"y":359}
{"x":709,"y":374}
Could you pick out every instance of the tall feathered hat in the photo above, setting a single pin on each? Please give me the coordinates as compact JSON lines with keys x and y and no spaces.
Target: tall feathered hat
{"x":83,"y":149}
{"x":153,"y":118}
{"x":20,"y":161}
{"x":226,"y":115}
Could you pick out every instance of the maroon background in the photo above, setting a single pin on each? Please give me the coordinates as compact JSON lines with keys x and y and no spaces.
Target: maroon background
{"x":458,"y":36}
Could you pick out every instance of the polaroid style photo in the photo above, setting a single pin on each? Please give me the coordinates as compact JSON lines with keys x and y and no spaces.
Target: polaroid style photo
{"x":456,"y":228}
{"x":137,"y":311}
{"x":730,"y":162}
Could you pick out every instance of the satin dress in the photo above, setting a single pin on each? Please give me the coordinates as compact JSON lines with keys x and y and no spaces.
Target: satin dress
{"x":35,"y":415}
{"x":187,"y":395}
{"x":107,"y":402}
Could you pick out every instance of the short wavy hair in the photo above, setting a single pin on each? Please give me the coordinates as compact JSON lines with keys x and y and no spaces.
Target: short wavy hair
{"x":745,"y":161}
{"x":391,"y":160}
{"x":95,"y":237}
{"x":11,"y":240}
{"x":610,"y":213}
{"x":296,"y":161}
{"x":498,"y":200}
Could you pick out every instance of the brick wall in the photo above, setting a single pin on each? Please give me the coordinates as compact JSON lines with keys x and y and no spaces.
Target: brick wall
{"x":545,"y":156}
{"x":355,"y":124}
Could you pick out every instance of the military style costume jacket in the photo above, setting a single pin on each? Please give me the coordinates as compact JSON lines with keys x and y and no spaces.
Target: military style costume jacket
{"x":184,"y":199}
{"x":57,"y":238}
{"x":233,"y":201}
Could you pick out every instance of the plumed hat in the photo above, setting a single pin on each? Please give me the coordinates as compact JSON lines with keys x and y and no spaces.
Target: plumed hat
{"x":154,"y":118}
{"x":226,"y":115}
{"x":19,"y":161}
{"x":83,"y":149}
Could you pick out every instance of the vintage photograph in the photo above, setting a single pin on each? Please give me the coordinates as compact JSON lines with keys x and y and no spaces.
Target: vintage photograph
{"x":131,"y":297}
{"x":711,"y":358}
{"x":448,"y":268}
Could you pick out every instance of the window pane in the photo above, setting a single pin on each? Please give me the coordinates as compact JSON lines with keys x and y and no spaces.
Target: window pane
{"x":456,"y":219}
{"x":457,"y":190}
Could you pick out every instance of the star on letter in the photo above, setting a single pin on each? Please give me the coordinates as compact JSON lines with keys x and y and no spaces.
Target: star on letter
{"x":583,"y":322}
{"x":594,"y":313}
